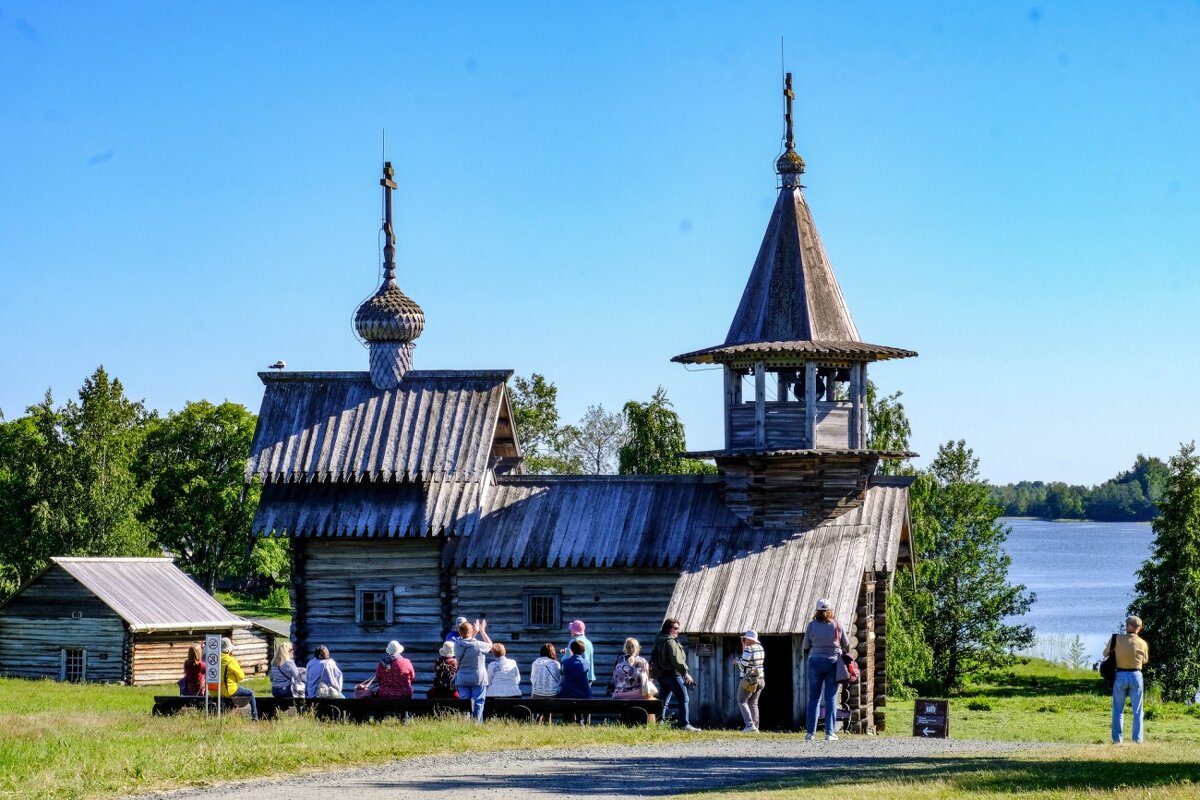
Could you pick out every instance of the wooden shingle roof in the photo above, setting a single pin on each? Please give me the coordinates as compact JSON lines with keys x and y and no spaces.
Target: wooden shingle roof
{"x":150,"y":594}
{"x":773,"y":588}
{"x":337,"y":426}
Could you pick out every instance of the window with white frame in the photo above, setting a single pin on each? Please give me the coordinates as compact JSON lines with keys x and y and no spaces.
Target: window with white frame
{"x":543,"y":608}
{"x":373,"y":605}
{"x":74,"y":665}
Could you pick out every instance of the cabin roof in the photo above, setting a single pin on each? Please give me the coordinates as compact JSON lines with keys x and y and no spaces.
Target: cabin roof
{"x":150,"y":594}
{"x":596,"y":521}
{"x":369,"y":510}
{"x":337,"y":426}
{"x":885,"y":512}
{"x":773,"y":588}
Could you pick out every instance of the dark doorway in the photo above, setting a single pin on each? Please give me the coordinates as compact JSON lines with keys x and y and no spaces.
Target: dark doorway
{"x":775,"y":703}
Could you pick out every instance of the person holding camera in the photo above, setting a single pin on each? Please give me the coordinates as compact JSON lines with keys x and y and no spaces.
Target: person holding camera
{"x":470,"y":650}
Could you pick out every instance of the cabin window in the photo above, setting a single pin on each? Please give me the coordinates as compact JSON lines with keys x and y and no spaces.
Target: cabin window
{"x":543,"y":608}
{"x":74,"y":665}
{"x":373,"y":606}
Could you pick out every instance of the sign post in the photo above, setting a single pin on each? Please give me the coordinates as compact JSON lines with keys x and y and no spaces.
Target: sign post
{"x":931,"y":719}
{"x":212,"y":669}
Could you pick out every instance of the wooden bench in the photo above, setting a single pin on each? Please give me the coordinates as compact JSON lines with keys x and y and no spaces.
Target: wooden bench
{"x":268,"y":706}
{"x":630,"y":712}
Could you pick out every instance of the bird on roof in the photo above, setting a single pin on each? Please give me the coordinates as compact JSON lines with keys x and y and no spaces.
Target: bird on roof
{"x":280,"y":364}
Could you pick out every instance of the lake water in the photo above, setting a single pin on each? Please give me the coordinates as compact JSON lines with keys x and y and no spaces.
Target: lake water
{"x":1083,"y":574}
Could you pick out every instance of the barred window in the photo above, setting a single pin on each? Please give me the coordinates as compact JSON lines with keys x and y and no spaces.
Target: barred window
{"x":543,"y":608}
{"x":74,"y":664}
{"x":374,"y":606}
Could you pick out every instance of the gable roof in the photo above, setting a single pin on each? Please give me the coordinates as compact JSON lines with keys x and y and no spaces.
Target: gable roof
{"x":773,"y":589}
{"x":337,"y":426}
{"x":150,"y":594}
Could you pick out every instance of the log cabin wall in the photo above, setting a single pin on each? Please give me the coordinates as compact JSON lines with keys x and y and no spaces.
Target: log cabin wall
{"x":157,"y":658}
{"x":334,"y":571}
{"x":54,"y":613}
{"x":614,"y":603}
{"x":880,"y":671}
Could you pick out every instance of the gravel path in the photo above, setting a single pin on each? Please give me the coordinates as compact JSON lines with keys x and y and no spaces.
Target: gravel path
{"x":601,"y":773}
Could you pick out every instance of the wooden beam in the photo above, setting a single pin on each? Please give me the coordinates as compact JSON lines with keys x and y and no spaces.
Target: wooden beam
{"x":862,"y":403}
{"x":733,"y":397}
{"x":810,"y":404}
{"x":760,"y":405}
{"x":855,"y":436}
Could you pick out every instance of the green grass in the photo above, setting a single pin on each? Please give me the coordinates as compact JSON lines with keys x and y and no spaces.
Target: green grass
{"x":1037,"y":701}
{"x":249,"y":607}
{"x":64,"y":740}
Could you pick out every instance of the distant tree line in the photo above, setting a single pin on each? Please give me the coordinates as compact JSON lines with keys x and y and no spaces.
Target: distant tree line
{"x":102,"y":476}
{"x":1131,"y":496}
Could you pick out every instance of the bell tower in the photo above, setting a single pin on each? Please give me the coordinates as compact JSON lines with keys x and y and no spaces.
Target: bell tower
{"x":795,"y":375}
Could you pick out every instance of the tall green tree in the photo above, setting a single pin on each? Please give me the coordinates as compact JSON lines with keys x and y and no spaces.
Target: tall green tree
{"x":591,"y":447}
{"x":889,"y":428}
{"x":656,"y":438}
{"x":535,"y":415}
{"x":963,"y":567}
{"x":1168,"y":586}
{"x":200,"y":507}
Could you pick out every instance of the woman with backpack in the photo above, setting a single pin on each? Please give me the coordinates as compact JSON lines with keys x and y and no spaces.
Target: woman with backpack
{"x":751,"y":680}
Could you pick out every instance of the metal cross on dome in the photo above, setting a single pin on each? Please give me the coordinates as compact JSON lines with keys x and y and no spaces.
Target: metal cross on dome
{"x":389,"y":247}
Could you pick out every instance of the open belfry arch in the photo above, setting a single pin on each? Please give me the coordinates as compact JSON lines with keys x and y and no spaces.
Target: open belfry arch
{"x":405,"y":496}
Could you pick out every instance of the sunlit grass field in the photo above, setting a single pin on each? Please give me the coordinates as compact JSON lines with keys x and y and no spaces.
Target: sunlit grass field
{"x":65,"y":740}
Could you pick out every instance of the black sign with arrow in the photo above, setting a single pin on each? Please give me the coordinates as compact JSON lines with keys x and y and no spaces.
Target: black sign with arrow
{"x":931,"y":719}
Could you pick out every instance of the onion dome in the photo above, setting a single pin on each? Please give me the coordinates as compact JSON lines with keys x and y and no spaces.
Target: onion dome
{"x":389,"y":320}
{"x":389,"y":315}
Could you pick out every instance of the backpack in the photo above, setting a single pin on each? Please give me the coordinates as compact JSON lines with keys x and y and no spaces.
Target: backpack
{"x":1108,"y":667}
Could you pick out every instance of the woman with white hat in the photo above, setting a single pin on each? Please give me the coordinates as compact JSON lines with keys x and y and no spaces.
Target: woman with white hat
{"x":445,"y":670}
{"x":394,"y":674}
{"x":824,"y":641}
{"x":752,"y":679}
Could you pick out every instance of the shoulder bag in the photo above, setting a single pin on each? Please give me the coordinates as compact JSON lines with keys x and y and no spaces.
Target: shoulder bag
{"x":847,"y":667}
{"x":1108,"y":667}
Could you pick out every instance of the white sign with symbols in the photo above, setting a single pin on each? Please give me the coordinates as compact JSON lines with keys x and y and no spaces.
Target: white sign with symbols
{"x":212,"y":661}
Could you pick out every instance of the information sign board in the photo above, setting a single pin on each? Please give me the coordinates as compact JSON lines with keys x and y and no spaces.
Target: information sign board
{"x":212,"y":661}
{"x":931,"y":719}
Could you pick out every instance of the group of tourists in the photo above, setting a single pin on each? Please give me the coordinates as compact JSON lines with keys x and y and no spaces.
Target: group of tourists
{"x":470,"y":665}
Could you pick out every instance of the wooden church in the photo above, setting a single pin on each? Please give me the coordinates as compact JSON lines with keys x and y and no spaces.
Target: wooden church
{"x":404,"y":494}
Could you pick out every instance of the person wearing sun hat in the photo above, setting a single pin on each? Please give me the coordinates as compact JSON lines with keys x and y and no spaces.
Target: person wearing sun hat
{"x":445,"y":670}
{"x":576,"y":629}
{"x":394,"y":674}
{"x":752,"y":679}
{"x":824,"y":641}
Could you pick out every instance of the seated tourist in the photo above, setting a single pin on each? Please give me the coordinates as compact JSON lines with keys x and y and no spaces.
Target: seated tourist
{"x":323,"y":677}
{"x":575,"y":681}
{"x":504,"y":676}
{"x":287,"y":679}
{"x":445,"y":669}
{"x":231,"y":673}
{"x":631,"y":674}
{"x":394,"y":674}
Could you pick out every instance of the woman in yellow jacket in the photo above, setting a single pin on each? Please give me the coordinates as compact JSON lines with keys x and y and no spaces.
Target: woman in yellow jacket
{"x":231,"y":673}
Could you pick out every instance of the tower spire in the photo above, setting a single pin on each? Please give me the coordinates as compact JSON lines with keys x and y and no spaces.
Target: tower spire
{"x":790,"y":165}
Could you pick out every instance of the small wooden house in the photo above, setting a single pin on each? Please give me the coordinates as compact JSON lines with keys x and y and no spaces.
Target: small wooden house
{"x":405,"y":498}
{"x":116,"y":620}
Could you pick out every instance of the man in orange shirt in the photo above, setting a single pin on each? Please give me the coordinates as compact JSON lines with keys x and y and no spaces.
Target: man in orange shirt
{"x":1132,"y":654}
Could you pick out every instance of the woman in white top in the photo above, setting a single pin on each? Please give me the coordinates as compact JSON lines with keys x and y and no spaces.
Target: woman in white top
{"x":504,"y":676}
{"x":545,"y":676}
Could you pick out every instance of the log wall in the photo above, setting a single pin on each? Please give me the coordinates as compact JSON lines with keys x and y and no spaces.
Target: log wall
{"x":56,"y":612}
{"x":157,"y":658}
{"x":327,"y":573}
{"x":615,"y":604}
{"x":785,"y":426}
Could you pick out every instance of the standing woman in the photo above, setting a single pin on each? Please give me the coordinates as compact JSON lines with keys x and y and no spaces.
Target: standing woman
{"x":752,"y":679}
{"x":287,"y":679}
{"x":471,"y":653}
{"x":577,"y":629}
{"x":824,"y":641}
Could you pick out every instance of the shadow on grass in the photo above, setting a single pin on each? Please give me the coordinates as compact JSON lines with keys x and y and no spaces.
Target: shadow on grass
{"x":1012,"y":685}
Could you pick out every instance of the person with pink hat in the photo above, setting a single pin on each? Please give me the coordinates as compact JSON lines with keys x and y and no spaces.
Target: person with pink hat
{"x":577,"y":629}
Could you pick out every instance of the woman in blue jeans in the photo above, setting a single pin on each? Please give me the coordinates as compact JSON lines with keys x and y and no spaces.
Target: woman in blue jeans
{"x":824,"y":641}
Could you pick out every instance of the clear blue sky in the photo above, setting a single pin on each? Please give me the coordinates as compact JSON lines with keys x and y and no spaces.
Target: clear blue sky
{"x":1011,"y":189}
